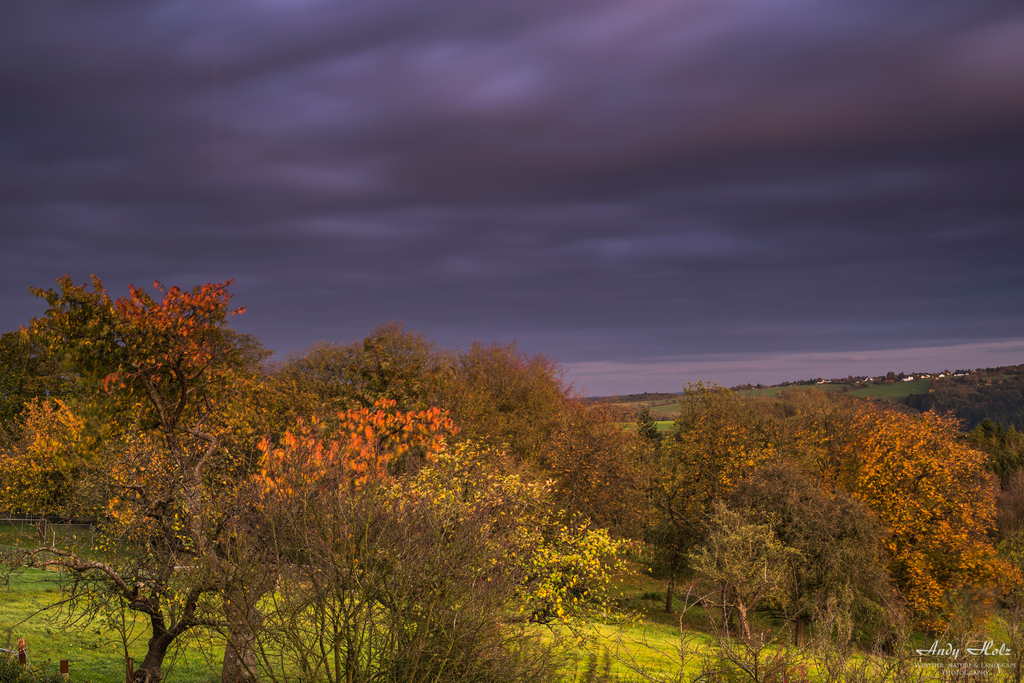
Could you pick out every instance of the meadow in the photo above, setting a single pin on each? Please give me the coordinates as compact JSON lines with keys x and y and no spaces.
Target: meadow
{"x":98,"y":646}
{"x":640,"y":643}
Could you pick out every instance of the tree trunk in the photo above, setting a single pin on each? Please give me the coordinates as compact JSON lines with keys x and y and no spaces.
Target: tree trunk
{"x":239,"y":658}
{"x":670,"y":593}
{"x":800,"y":630}
{"x":240,"y":651}
{"x":149,"y":671}
{"x":726,"y":611}
{"x":741,"y":613}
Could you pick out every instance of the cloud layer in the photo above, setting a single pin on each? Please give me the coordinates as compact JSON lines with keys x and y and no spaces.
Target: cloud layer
{"x":606,"y":182}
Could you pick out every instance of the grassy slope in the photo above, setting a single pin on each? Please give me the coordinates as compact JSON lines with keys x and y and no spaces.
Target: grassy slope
{"x":897,"y":391}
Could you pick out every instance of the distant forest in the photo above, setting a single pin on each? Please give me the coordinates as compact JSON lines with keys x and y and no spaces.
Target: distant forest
{"x":995,"y":393}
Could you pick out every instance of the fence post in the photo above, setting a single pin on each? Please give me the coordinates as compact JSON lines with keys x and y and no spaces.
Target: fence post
{"x":22,"y":654}
{"x":64,"y":668}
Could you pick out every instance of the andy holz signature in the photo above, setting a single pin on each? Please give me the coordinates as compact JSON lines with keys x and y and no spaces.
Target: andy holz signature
{"x":988,"y":648}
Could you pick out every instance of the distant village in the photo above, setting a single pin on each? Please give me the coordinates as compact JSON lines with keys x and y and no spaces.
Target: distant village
{"x":864,"y":380}
{"x":892,"y":377}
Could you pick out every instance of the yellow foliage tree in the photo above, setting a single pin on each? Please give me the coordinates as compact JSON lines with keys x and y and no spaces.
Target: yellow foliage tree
{"x":40,"y":470}
{"x":431,"y":576}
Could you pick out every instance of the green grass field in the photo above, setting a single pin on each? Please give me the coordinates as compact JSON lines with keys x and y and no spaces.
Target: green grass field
{"x":646,"y":639}
{"x":658,"y":409}
{"x":896,"y":392}
{"x":95,"y":650}
{"x":647,"y":644}
{"x":644,"y":643}
{"x":661,"y":409}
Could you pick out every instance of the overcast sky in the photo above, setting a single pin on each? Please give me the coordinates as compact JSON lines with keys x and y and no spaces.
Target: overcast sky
{"x":649,"y":191}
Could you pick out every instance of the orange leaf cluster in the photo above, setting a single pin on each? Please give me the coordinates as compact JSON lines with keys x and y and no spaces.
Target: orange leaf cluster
{"x":358,"y":449}
{"x":172,"y":334}
{"x":165,"y":346}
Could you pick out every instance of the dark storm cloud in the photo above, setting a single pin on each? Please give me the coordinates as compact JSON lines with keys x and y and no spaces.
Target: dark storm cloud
{"x":605,"y":181}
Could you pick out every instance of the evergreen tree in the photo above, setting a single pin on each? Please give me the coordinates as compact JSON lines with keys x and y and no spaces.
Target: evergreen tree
{"x":647,"y":427}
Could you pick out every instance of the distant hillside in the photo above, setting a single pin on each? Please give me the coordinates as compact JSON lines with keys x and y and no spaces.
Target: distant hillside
{"x":971,"y":395}
{"x":645,"y":397}
{"x":896,"y":391}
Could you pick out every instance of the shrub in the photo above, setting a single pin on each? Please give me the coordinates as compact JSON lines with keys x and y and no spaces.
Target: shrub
{"x":13,"y":672}
{"x":444,"y":577}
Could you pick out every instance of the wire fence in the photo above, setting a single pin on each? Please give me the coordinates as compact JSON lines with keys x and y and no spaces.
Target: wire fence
{"x":18,"y":532}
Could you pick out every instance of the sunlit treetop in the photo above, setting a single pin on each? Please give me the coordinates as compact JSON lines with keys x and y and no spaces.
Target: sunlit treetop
{"x":165,"y":352}
{"x":356,"y":448}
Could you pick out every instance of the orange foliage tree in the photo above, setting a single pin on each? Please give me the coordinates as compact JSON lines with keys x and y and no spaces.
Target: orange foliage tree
{"x":403,"y":558}
{"x":934,"y":496}
{"x":167,"y":399}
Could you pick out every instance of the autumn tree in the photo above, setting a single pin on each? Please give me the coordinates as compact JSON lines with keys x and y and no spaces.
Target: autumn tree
{"x":916,"y":474}
{"x":42,"y":467}
{"x":934,"y":497}
{"x":836,"y":578}
{"x":167,"y":411}
{"x":28,"y":371}
{"x":501,"y":396}
{"x":563,"y":561}
{"x":715,"y":439}
{"x":744,"y":561}
{"x":432,"y":575}
{"x":390,"y":363}
{"x":598,"y":468}
{"x":809,"y":427}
